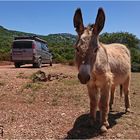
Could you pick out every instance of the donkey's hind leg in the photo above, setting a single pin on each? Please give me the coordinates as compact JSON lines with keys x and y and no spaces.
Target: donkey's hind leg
{"x":112,"y":97}
{"x":126,"y":94}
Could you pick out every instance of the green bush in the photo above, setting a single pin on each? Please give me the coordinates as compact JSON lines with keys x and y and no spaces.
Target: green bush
{"x":61,"y":45}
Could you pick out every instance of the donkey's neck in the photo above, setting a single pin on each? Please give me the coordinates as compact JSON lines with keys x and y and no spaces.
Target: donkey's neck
{"x":101,"y":64}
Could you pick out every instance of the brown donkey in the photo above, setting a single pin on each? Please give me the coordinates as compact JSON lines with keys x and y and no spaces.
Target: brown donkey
{"x":101,"y":67}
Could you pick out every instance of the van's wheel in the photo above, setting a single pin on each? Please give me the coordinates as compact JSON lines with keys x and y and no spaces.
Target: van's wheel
{"x":50,"y":63}
{"x":17,"y":65}
{"x":38,"y":64}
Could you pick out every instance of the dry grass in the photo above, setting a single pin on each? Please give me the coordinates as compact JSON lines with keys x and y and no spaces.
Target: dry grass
{"x":58,"y":108}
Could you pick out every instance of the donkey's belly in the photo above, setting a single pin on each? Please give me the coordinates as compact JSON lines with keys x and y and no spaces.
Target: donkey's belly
{"x":119,"y":79}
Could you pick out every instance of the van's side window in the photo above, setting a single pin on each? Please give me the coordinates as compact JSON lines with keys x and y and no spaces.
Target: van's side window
{"x":47,"y":47}
{"x":38,"y":44}
{"x":43,"y":46}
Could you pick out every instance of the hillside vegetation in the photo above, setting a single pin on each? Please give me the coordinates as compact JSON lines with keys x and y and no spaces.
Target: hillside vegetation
{"x":6,"y":38}
{"x":128,"y":39}
{"x":61,"y":45}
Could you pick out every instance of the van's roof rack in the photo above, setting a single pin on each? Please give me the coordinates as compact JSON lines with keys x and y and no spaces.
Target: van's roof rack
{"x":31,"y":37}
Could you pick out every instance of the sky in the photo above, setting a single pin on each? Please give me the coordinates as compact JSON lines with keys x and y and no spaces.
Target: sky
{"x":51,"y":17}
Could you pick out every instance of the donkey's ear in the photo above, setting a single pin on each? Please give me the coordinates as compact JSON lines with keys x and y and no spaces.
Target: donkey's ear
{"x":78,"y":21}
{"x":99,"y":22}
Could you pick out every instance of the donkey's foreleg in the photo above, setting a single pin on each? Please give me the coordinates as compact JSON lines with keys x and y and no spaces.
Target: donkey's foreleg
{"x":93,"y":95}
{"x":104,"y":107}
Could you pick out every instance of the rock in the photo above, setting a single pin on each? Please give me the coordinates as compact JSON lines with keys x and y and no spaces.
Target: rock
{"x":49,"y":77}
{"x":63,"y":114}
{"x":39,"y":76}
{"x":110,"y":130}
{"x":21,"y":125}
{"x":119,"y":135}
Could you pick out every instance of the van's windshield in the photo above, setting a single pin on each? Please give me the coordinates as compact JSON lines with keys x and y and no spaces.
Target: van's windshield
{"x":22,"y":45}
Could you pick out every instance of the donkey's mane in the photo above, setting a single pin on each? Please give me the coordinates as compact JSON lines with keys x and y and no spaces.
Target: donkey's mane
{"x":90,"y":26}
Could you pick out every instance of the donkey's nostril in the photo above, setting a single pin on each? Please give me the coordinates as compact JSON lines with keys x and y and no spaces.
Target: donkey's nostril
{"x":79,"y":76}
{"x":83,"y":78}
{"x":88,"y":77}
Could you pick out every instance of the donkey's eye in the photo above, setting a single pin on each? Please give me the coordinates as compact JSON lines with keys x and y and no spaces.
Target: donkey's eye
{"x":95,"y":51}
{"x":77,"y":49}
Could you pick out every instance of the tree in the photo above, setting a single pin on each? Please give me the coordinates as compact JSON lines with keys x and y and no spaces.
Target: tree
{"x":130,"y":40}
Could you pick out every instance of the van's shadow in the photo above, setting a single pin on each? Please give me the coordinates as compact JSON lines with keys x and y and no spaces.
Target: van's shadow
{"x":82,"y":129}
{"x":30,"y":67}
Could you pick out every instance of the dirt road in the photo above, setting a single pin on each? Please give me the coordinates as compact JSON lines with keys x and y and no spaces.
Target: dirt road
{"x":58,"y":108}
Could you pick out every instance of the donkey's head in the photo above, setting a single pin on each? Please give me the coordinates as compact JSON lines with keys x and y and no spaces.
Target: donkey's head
{"x":87,"y":43}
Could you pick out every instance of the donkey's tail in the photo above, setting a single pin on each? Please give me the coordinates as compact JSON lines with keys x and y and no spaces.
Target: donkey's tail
{"x":121,"y":88}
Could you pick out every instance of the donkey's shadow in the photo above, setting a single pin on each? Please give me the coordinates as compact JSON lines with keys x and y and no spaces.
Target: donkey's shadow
{"x":83,"y":130}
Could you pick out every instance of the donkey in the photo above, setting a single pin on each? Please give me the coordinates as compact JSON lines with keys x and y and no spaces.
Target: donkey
{"x":101,"y":67}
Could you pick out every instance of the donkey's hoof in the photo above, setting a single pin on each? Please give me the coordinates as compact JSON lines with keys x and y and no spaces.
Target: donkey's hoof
{"x":103,"y":129}
{"x":110,"y":108}
{"x":107,"y":125}
{"x":127,"y":110}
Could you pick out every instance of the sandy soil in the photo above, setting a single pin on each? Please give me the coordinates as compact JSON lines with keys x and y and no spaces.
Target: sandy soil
{"x":58,"y":108}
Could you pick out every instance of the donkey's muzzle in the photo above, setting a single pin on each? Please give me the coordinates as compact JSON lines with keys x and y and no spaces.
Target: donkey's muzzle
{"x":84,"y":78}
{"x":84,"y":73}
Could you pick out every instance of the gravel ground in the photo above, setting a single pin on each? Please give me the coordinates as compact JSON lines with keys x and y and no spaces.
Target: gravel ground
{"x":58,"y":108}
